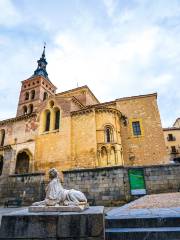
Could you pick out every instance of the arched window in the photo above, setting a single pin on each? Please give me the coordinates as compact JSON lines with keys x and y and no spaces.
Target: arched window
{"x":30,"y":110}
{"x":108,"y":134}
{"x":27,"y":96}
{"x":57,"y":118}
{"x":1,"y":164}
{"x":47,"y":121}
{"x":32,"y":94}
{"x":22,"y":163}
{"x":45,"y":96}
{"x":24,"y":109}
{"x":2,"y":137}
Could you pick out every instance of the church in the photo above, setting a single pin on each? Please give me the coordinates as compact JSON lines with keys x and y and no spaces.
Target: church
{"x":73,"y":130}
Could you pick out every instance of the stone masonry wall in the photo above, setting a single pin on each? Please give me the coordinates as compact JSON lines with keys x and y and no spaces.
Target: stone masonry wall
{"x":110,"y":186}
{"x":28,"y":187}
{"x":103,"y":186}
{"x":162,"y":179}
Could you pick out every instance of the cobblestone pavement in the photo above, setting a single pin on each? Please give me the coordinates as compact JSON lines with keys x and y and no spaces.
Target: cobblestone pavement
{"x":157,"y":205}
{"x":163,"y":200}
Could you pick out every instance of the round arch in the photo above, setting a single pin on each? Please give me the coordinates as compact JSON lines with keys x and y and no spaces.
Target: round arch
{"x":108,"y":133}
{"x":23,"y":159}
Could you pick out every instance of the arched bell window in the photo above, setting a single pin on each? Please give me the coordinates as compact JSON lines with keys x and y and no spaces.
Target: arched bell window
{"x":108,"y":134}
{"x":27,"y":96}
{"x":24,"y":110}
{"x":30,"y":110}
{"x":32,"y":94}
{"x":45,"y":96}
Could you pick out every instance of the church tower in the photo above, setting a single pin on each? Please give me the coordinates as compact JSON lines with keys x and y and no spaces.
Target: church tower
{"x":35,"y":89}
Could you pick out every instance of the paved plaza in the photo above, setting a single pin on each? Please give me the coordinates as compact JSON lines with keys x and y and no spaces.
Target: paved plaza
{"x":150,"y":217}
{"x":157,"y":205}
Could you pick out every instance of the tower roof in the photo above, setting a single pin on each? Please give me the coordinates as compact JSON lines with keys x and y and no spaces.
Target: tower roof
{"x":41,"y":68}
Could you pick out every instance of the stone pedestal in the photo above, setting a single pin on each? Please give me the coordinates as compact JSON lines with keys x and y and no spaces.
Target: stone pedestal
{"x":78,"y":208}
{"x":22,"y":224}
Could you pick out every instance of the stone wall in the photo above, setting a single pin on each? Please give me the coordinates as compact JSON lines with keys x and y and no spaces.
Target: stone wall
{"x":148,"y":148}
{"x":28,"y":187}
{"x":103,"y":186}
{"x":163,"y":178}
{"x":110,"y":186}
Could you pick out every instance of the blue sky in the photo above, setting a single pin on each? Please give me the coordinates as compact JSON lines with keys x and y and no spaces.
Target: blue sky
{"x":117,"y":47}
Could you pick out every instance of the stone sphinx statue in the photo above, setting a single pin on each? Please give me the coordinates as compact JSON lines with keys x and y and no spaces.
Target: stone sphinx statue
{"x":56,"y":195}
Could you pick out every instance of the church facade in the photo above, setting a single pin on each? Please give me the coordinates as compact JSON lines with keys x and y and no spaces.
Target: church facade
{"x":72,"y":129}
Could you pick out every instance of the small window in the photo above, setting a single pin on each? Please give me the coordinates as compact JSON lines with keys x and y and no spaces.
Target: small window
{"x":45,"y":96}
{"x":26,"y":96}
{"x":47,"y":125}
{"x":108,"y":134}
{"x":57,"y":119}
{"x":171,"y":137}
{"x":24,"y":109}
{"x":136,"y":128}
{"x":32,"y":94}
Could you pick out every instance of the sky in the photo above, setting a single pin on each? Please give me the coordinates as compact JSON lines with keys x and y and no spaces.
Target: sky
{"x":118,"y":48}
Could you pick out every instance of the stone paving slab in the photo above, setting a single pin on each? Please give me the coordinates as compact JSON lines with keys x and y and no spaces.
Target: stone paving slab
{"x":157,"y":205}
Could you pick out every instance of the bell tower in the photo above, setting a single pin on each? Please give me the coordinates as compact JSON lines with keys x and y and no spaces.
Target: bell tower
{"x":35,"y":89}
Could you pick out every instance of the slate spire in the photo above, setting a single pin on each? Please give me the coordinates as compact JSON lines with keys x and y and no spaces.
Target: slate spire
{"x":42,"y":63}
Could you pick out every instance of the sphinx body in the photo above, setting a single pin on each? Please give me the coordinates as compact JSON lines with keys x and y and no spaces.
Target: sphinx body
{"x":56,"y":195}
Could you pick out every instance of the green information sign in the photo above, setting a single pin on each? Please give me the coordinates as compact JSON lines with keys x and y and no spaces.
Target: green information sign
{"x":137,"y":183}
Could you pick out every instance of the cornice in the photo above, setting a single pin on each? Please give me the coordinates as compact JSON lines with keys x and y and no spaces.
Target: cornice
{"x":23,"y":117}
{"x":77,"y":102}
{"x":97,"y":110}
{"x":5,"y":147}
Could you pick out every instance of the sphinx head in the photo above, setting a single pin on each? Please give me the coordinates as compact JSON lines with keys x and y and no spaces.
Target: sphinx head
{"x":53,"y":173}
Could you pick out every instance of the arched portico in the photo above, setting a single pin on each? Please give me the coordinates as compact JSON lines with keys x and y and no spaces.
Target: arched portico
{"x":23,"y":162}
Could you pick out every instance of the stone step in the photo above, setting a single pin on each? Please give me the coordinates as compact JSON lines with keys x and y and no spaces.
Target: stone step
{"x":143,"y":222}
{"x":161,"y":233}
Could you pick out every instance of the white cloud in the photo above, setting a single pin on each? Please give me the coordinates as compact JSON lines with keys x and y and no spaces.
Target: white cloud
{"x":133,"y":51}
{"x":9,"y":14}
{"x":101,"y":64}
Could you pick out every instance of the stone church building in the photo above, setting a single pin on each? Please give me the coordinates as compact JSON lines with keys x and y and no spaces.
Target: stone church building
{"x":72,"y":129}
